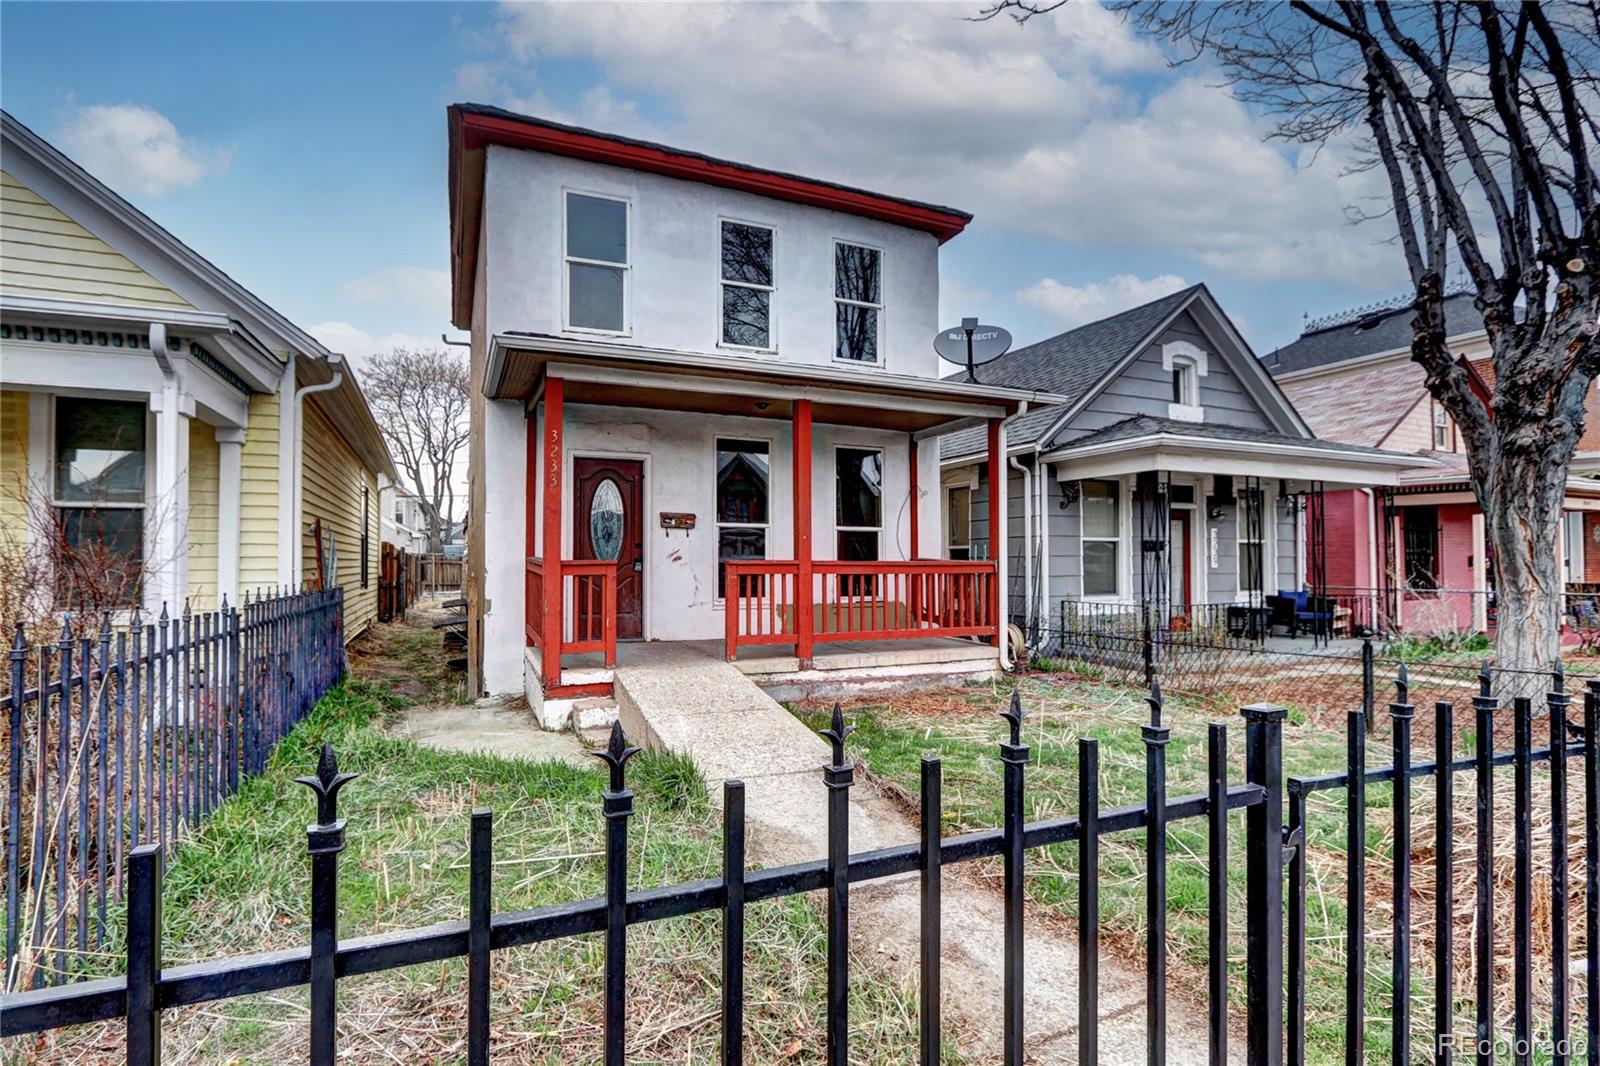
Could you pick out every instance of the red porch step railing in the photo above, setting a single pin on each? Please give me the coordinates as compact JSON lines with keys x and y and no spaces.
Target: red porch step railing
{"x":589,"y":609}
{"x":859,"y":601}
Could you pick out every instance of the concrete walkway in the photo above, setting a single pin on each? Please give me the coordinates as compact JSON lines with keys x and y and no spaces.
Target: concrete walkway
{"x":689,"y":701}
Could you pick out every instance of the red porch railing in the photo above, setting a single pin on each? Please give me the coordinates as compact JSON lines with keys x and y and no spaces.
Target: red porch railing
{"x":860,"y":601}
{"x":589,"y":609}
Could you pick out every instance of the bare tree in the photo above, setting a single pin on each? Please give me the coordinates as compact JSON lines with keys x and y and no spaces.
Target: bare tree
{"x":420,"y":398}
{"x":1482,"y":121}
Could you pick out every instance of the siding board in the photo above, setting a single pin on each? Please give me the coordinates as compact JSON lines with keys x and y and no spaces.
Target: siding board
{"x":332,"y":479}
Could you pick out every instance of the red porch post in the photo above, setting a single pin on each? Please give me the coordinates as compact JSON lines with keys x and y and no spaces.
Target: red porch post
{"x":532,"y":612}
{"x":997,"y":541}
{"x":550,"y":464}
{"x":916,"y":547}
{"x":801,"y":448}
{"x":915,"y":580}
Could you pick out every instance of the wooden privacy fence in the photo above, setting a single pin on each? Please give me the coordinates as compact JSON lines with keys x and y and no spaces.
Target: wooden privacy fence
{"x":1274,"y":956}
{"x":132,"y":735}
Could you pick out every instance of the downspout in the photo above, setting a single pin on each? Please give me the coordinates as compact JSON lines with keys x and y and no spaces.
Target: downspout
{"x":1042,"y":517}
{"x":997,"y":483}
{"x":1027,"y":544}
{"x":336,"y":361}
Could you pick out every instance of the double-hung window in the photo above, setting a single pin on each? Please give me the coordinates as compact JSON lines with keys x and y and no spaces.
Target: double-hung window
{"x":747,"y":286}
{"x":99,"y":496}
{"x":958,"y":522}
{"x":857,"y":302}
{"x":597,"y":263}
{"x":858,"y":511}
{"x":1101,"y":504}
{"x":1251,"y":519}
{"x":744,"y":474}
{"x":1442,"y":441}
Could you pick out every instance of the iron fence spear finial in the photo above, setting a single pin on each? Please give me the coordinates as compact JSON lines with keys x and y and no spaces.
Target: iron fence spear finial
{"x":1156,"y":701}
{"x":616,"y":754}
{"x":836,"y":734}
{"x":1014,"y":715}
{"x":1402,"y":685}
{"x":19,"y":643}
{"x":1485,"y":679}
{"x":326,"y":783}
{"x":1558,"y":675}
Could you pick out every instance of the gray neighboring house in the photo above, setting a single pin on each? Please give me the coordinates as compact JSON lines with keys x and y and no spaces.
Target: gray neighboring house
{"x":1177,"y":474}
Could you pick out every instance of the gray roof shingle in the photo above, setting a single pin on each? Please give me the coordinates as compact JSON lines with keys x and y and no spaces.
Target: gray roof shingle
{"x":1069,"y":364}
{"x":1148,"y":425}
{"x":1382,"y":331}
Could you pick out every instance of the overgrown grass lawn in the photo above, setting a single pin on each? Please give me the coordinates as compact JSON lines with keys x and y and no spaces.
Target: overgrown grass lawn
{"x":241,"y":884}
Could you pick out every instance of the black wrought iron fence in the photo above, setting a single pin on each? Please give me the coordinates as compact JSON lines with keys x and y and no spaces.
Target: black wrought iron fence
{"x":1207,"y":658}
{"x":132,"y":734}
{"x":1275,"y":956}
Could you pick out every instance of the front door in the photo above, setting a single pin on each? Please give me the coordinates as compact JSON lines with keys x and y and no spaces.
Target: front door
{"x":608,"y":523}
{"x":1178,"y":561}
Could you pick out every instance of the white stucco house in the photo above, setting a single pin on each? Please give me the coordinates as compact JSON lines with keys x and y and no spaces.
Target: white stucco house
{"x":704,"y":403}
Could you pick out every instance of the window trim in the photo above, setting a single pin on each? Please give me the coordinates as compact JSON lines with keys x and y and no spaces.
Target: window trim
{"x":1269,"y":518}
{"x":567,"y":261}
{"x":1191,"y":364}
{"x":770,"y":290}
{"x":880,"y":306}
{"x":882,"y":495}
{"x":949,"y":546}
{"x":52,"y":473}
{"x":721,"y":600}
{"x":1436,"y":409}
{"x":1124,"y":506}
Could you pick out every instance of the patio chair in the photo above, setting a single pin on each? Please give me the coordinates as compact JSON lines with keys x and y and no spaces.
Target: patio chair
{"x":1300,"y":612}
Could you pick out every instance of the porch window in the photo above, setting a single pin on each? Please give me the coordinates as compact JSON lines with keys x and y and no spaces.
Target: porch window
{"x":1421,"y":533}
{"x":99,"y":497}
{"x":857,"y":302}
{"x":958,"y":523}
{"x":743,"y":487}
{"x":597,"y":263}
{"x":1250,"y":529}
{"x":1101,"y":505}
{"x":747,"y":286}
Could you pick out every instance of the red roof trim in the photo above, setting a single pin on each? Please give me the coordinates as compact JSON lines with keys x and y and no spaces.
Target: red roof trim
{"x":481,"y":130}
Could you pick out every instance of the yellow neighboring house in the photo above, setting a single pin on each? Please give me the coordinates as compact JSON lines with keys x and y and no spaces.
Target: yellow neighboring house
{"x":158,"y":418}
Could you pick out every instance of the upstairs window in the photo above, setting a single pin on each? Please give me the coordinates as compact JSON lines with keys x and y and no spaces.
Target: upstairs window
{"x":597,"y":263}
{"x":747,"y":286}
{"x":857,"y":302}
{"x":1185,"y":389}
{"x":1442,"y":437}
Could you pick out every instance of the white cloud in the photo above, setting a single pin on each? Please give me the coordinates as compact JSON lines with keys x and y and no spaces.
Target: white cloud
{"x":1049,"y":128}
{"x":417,"y":287}
{"x":1073,"y":305}
{"x":360,"y":346}
{"x":137,"y":149}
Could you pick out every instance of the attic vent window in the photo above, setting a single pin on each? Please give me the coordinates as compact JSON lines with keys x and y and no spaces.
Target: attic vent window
{"x":1368,"y":322}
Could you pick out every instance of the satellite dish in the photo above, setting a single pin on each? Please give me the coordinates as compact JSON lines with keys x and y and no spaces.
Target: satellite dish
{"x":972,"y":343}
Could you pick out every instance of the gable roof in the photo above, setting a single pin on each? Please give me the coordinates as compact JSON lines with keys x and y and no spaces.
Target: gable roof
{"x":1355,"y":336}
{"x":1082,"y":361}
{"x":1390,"y":391}
{"x":473,"y":127}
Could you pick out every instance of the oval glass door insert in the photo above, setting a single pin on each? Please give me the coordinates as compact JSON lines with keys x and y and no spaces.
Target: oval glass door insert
{"x":605,"y":520}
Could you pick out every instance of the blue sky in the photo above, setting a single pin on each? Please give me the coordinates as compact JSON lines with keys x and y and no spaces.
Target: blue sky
{"x":301,"y":147}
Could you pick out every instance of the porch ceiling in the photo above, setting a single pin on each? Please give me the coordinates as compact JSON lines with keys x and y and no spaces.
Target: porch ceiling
{"x":627,"y":376}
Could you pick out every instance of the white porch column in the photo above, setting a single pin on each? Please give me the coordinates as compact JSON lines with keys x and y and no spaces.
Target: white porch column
{"x":230,"y":470}
{"x":167,"y":514}
{"x":288,"y":475}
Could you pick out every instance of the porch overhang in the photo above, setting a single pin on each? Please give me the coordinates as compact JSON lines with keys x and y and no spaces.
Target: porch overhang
{"x":606,"y":373}
{"x":1334,"y":466}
